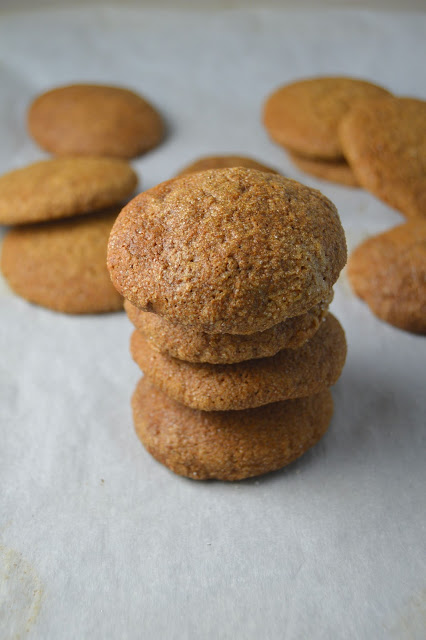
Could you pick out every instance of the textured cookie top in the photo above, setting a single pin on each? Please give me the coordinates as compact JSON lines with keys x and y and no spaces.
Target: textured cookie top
{"x":227,"y":250}
{"x":291,"y":373}
{"x":228,"y":445}
{"x":304,"y":116}
{"x":385,"y":143}
{"x":62,"y":265}
{"x":63,"y":187}
{"x":225,"y":348}
{"x":224,"y":162}
{"x":86,"y":119}
{"x":388,"y":271}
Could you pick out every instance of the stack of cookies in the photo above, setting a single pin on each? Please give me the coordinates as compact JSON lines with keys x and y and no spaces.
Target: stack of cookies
{"x":63,"y":209}
{"x":304,"y":118}
{"x":227,"y":276}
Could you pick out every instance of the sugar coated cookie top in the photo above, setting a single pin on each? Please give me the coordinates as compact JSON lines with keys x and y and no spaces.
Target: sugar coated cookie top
{"x":232,"y":250}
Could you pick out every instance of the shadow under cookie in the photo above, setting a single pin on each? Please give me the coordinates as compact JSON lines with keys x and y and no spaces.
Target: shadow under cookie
{"x":227,"y":445}
{"x":291,"y":373}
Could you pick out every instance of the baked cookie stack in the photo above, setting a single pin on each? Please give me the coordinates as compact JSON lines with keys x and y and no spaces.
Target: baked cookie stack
{"x":227,"y":276}
{"x":63,"y":209}
{"x":304,"y":118}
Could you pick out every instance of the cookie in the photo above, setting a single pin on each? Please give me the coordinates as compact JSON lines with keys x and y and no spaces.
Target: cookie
{"x":63,"y":187}
{"x":224,"y":162}
{"x":291,"y":373}
{"x":62,"y":265}
{"x":388,"y":272}
{"x":94,"y":120}
{"x":385,"y":144}
{"x":227,"y":250}
{"x":334,"y":171}
{"x":225,"y":348}
{"x":227,"y":445}
{"x":304,"y":116}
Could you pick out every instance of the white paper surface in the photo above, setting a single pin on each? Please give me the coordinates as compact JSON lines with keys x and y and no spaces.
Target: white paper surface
{"x":97,"y":540}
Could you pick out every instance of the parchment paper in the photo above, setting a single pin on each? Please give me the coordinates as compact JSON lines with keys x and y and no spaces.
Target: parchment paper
{"x":97,"y":540}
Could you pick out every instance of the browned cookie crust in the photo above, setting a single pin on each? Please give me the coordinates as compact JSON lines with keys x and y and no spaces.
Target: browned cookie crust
{"x":291,"y":373}
{"x":224,"y":162}
{"x":334,"y":171}
{"x":225,"y":348}
{"x":385,"y":144}
{"x":227,"y":250}
{"x":228,"y":445}
{"x":63,"y":187}
{"x":85,"y":119}
{"x":62,"y":265}
{"x":304,"y":116}
{"x":388,"y":271}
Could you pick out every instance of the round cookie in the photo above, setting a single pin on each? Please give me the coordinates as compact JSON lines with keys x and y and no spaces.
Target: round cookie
{"x":385,"y":144}
{"x":62,"y":265}
{"x":227,"y":445}
{"x":224,"y":162}
{"x":227,"y":250}
{"x":334,"y":171}
{"x":84,"y":119}
{"x":63,"y":187}
{"x":291,"y":373}
{"x":225,"y":348}
{"x":388,"y":272}
{"x":304,"y":116}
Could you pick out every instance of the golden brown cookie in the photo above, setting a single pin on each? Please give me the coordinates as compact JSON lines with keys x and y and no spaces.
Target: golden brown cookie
{"x":63,"y":187}
{"x":62,"y":265}
{"x":385,"y":144}
{"x":291,"y":373}
{"x":332,"y":170}
{"x":225,"y":348}
{"x":227,"y":445}
{"x":304,"y":116}
{"x":84,"y":119}
{"x":227,"y":250}
{"x":224,"y":162}
{"x":388,"y":271}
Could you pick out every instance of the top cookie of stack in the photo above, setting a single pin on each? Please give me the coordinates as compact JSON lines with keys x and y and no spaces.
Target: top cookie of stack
{"x":227,"y":251}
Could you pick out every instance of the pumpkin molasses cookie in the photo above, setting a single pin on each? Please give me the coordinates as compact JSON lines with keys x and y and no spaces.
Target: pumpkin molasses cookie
{"x":332,"y":170}
{"x":304,"y":116}
{"x":224,"y":162}
{"x":385,"y":144}
{"x":84,"y":119}
{"x":224,"y":348}
{"x":63,"y":187}
{"x":228,"y":445}
{"x":388,"y":271}
{"x":227,"y":250}
{"x":61,"y":265}
{"x":291,"y":373}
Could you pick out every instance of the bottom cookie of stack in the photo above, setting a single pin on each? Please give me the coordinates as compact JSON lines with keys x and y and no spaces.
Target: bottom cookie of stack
{"x":228,"y":445}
